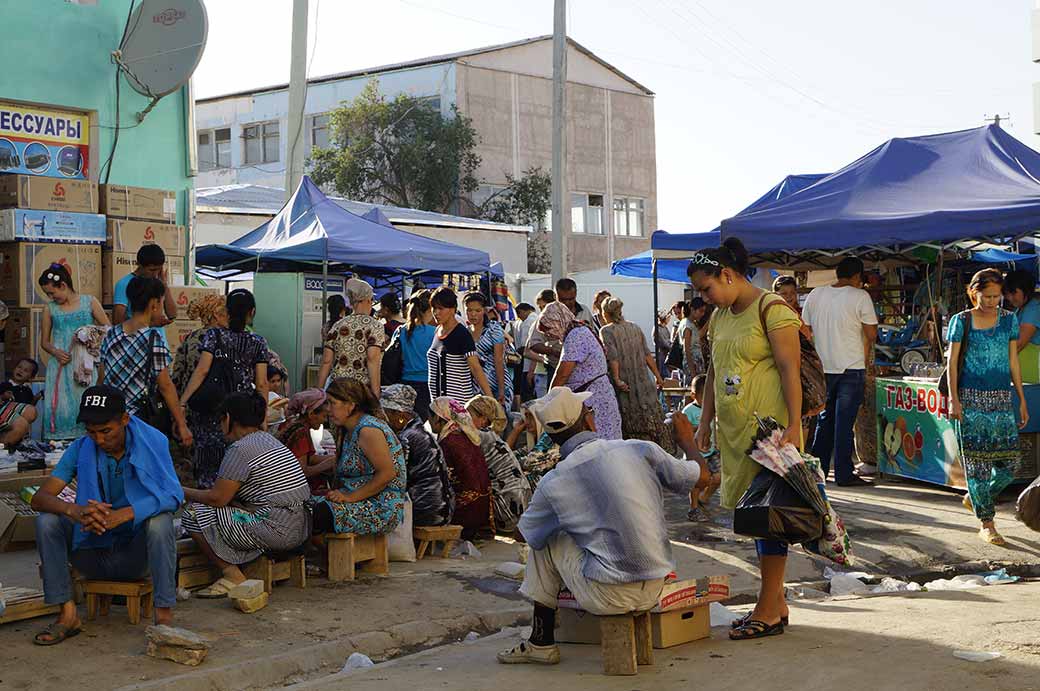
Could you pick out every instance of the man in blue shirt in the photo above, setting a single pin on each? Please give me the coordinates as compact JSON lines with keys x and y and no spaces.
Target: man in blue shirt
{"x":596,"y":521}
{"x":120,"y":527}
{"x":151,"y":262}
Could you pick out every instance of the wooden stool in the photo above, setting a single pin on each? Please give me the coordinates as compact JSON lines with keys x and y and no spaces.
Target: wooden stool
{"x":348,"y":553}
{"x":625,"y":643}
{"x":426,"y":535}
{"x":138,"y":596}
{"x":194,"y":569}
{"x":275,"y":568}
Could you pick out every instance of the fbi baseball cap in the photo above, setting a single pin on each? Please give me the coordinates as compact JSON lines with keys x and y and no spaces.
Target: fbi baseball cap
{"x":101,"y":404}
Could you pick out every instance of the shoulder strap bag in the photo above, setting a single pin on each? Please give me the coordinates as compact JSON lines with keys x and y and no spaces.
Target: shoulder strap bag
{"x":814,"y":381}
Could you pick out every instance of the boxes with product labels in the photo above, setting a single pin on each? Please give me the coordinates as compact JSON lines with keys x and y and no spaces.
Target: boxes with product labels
{"x":55,"y":194}
{"x":37,"y":225}
{"x":115,"y":265}
{"x":17,"y":523}
{"x":21,"y":264}
{"x":128,"y":236}
{"x":178,"y":330}
{"x":22,"y":338}
{"x":183,"y":295}
{"x":123,"y":201}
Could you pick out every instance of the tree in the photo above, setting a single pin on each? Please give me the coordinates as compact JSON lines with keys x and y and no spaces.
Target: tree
{"x":401,"y":152}
{"x":525,"y":201}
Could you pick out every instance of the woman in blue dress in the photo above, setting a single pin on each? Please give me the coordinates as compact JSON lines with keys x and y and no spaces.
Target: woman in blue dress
{"x":371,"y":479}
{"x":980,"y":396}
{"x":491,"y":348}
{"x":66,"y":312}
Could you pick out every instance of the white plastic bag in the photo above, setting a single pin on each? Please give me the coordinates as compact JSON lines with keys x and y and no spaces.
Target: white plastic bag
{"x":400,"y":544}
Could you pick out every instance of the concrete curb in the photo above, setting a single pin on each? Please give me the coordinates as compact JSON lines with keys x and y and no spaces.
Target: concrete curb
{"x":327,"y":658}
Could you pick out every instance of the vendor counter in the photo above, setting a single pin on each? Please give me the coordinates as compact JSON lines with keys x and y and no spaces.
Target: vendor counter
{"x":916,"y":438}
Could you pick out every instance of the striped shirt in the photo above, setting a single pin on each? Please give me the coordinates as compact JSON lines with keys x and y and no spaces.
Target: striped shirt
{"x":608,"y":497}
{"x":448,"y":363}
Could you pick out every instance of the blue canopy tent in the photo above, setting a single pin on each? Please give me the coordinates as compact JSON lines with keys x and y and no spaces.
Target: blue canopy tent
{"x":641,"y":266}
{"x":997,"y":256}
{"x":943,"y":191}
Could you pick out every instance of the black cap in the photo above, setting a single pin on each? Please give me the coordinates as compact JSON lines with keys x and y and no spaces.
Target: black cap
{"x":101,"y":404}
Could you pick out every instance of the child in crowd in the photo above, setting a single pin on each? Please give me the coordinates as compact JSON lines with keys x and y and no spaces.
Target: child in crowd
{"x":693,"y":413}
{"x":276,"y":399}
{"x":19,"y":387}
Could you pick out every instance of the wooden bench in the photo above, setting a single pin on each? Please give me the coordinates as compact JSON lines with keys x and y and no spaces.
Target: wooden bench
{"x":625,"y":643}
{"x":349,"y":553}
{"x":275,"y":568}
{"x":24,"y":603}
{"x":427,"y":535}
{"x":138,"y":596}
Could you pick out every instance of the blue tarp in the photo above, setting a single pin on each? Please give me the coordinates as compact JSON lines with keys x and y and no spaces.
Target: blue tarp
{"x":939,"y":188}
{"x":995,"y":256}
{"x":310,"y":228}
{"x":641,"y":266}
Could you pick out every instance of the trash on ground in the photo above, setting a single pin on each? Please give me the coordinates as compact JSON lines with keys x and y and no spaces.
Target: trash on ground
{"x":894,"y":585}
{"x":510,"y":569}
{"x":183,"y":594}
{"x":357,"y":661}
{"x":845,"y":584}
{"x":806,"y":593}
{"x":976,"y":656}
{"x":830,"y":573}
{"x":965,"y":582}
{"x":471,"y":636}
{"x":465,"y":549}
{"x":999,"y":577}
{"x":721,"y":615}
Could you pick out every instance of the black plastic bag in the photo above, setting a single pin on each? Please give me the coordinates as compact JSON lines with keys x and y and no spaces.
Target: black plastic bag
{"x":773,"y":510}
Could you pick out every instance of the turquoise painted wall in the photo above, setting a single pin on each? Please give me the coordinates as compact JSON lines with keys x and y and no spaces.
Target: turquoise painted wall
{"x":57,"y":53}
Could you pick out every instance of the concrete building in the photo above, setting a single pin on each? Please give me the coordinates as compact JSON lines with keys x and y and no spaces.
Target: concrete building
{"x":226,"y":213}
{"x":507,"y":92}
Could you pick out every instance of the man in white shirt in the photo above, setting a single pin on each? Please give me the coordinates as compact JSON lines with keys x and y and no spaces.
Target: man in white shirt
{"x":527,"y":317}
{"x":844,"y":328}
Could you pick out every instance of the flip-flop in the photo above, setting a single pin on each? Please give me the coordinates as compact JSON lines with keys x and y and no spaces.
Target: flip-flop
{"x":216,"y":590}
{"x":737,"y":623}
{"x":57,"y":632}
{"x":754,"y":628}
{"x":993,"y":538}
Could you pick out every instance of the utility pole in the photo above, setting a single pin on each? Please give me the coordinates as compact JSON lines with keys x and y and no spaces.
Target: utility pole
{"x":294,"y":146}
{"x":561,"y":212}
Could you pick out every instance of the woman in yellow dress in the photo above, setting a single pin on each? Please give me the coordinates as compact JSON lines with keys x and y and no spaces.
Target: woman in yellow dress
{"x":752,"y":371}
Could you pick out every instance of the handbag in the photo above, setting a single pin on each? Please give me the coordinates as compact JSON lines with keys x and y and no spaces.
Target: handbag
{"x":814,"y":381}
{"x":512,"y":357}
{"x":392,"y":367}
{"x":220,"y":377}
{"x":675,"y":358}
{"x":153,"y":410}
{"x":944,"y":379}
{"x":771,"y":509}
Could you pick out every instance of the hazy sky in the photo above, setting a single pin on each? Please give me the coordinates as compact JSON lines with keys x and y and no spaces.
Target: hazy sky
{"x":747,"y":90}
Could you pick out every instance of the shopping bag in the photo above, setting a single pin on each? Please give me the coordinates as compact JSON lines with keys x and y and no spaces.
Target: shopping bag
{"x":773,"y":510}
{"x":834,"y":543}
{"x":400,"y":543}
{"x":1027,"y":508}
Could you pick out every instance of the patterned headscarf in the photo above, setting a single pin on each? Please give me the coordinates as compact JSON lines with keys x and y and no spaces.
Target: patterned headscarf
{"x":305,"y":402}
{"x":455,"y":418}
{"x":556,"y":320}
{"x":206,"y":308}
{"x":489,"y":409}
{"x":399,"y":397}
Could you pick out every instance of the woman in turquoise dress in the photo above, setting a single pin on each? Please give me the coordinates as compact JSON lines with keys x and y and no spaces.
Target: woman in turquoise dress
{"x":980,"y":396}
{"x":370,"y":471}
{"x":66,"y":312}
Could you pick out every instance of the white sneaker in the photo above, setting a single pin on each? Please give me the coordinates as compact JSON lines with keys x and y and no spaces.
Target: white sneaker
{"x":866,"y":469}
{"x":527,"y":652}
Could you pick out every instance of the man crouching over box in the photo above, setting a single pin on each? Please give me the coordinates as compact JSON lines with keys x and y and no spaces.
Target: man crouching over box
{"x":596,"y":522}
{"x":121,"y":526}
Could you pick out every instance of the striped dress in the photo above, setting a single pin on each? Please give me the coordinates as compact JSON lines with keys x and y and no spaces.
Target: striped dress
{"x":269,"y":511}
{"x":448,"y":361}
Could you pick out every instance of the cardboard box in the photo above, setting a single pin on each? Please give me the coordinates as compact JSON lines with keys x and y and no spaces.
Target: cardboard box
{"x":17,"y":523}
{"x":14,"y":482}
{"x":675,"y":595}
{"x":122,"y":201}
{"x":667,"y":629}
{"x":36,"y":225}
{"x":178,"y":330}
{"x":129,"y":236}
{"x":21,"y":264}
{"x":115,"y":265}
{"x":22,"y":338}
{"x":183,"y":295}
{"x":55,"y":194}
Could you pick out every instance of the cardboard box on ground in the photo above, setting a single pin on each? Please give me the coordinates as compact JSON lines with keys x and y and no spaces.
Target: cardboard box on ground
{"x":123,"y":201}
{"x":115,"y":265}
{"x":17,"y":523}
{"x":21,"y":264}
{"x":55,"y":194}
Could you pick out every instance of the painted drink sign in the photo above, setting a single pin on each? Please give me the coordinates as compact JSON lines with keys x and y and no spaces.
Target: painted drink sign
{"x":915,"y":436}
{"x":42,"y":141}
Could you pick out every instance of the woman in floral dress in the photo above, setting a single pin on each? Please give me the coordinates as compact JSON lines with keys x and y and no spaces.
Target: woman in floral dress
{"x":371,"y":474}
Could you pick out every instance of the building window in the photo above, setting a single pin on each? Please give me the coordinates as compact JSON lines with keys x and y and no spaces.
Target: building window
{"x":215,"y":149}
{"x":261,"y":143}
{"x":587,"y":213}
{"x":319,"y":127}
{"x":434,"y":102}
{"x":629,"y":217}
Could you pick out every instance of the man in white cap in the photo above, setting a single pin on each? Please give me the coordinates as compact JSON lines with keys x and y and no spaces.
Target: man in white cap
{"x":596,"y":521}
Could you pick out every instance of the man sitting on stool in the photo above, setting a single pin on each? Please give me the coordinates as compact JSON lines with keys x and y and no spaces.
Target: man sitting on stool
{"x":596,"y":522}
{"x":121,"y":526}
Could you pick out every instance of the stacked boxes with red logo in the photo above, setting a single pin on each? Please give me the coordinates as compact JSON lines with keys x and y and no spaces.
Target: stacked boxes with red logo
{"x":43,"y":221}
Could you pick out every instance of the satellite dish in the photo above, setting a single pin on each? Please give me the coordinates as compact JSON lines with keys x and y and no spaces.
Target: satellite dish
{"x":163,"y":45}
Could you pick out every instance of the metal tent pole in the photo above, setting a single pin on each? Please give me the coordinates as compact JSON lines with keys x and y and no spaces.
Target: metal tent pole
{"x":657,"y":347}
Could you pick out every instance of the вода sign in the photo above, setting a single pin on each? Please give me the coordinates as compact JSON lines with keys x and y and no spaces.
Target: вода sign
{"x":42,"y":141}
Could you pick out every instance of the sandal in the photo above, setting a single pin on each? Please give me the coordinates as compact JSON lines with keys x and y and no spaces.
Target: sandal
{"x":737,"y":623}
{"x":57,"y":632}
{"x":966,"y":502}
{"x":754,"y":628}
{"x":216,"y":590}
{"x":992,"y":537}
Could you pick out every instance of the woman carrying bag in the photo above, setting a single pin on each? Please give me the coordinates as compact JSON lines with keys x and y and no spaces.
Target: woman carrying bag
{"x":755,"y":368}
{"x":980,"y":398}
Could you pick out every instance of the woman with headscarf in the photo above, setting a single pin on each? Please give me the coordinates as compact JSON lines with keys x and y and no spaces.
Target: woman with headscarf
{"x":510,"y":490}
{"x":307,"y":411}
{"x":583,"y":366}
{"x":354,"y":344}
{"x":460,"y":442}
